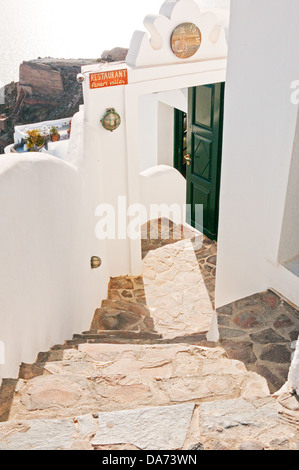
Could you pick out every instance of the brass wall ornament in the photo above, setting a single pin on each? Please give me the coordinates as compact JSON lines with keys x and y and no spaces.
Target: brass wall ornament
{"x":80,"y":78}
{"x":186,"y":40}
{"x":95,"y":262}
{"x":111,"y":120}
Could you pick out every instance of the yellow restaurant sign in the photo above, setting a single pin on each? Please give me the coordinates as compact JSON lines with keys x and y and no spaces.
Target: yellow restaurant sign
{"x":111,"y":78}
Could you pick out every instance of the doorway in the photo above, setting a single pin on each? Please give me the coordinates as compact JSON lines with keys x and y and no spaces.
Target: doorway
{"x":198,"y":152}
{"x":180,"y":140}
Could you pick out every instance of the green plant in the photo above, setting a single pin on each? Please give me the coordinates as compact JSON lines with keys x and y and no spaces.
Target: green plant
{"x":54,"y":134}
{"x":54,"y":130}
{"x":35,"y":140}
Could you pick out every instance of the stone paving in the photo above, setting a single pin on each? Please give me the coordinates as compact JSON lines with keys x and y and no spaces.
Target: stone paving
{"x":167,"y":233}
{"x":106,"y":378}
{"x":175,"y":295}
{"x":132,"y":397}
{"x":175,"y":291}
{"x":146,"y":366}
{"x":261,"y":331}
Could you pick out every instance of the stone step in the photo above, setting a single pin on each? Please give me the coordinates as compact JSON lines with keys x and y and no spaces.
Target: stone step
{"x":61,"y":347}
{"x":65,"y":354}
{"x":235,"y":424}
{"x":95,"y":359}
{"x":127,"y":306}
{"x":69,"y":351}
{"x":149,"y":428}
{"x":139,"y":338}
{"x":121,"y":376}
{"x":190,"y":338}
{"x":122,"y":315}
{"x":127,"y":334}
{"x":74,"y":342}
{"x":110,"y":340}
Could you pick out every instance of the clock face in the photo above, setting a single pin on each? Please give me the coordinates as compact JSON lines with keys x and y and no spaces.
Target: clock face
{"x":186,"y":40}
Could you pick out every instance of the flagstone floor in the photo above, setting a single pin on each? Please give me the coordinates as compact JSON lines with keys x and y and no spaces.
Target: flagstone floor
{"x":178,"y":281}
{"x":146,"y":366}
{"x":178,"y":288}
{"x":197,"y":247}
{"x":261,"y":331}
{"x":179,"y":291}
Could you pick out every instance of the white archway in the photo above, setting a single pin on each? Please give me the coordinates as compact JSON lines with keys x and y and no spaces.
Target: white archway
{"x":151,"y":67}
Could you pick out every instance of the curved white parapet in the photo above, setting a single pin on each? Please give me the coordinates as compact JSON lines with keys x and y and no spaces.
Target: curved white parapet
{"x":164,"y":186}
{"x":156,"y":50}
{"x":45,"y":126}
{"x":48,"y":290}
{"x":57,"y":149}
{"x":70,"y":150}
{"x":75,"y":151}
{"x":8,"y":149}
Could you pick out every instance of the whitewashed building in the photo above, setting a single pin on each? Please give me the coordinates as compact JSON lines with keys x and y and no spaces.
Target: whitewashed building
{"x":247,"y":185}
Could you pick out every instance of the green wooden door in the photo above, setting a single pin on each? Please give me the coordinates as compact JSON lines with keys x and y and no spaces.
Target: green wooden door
{"x":204,"y":145}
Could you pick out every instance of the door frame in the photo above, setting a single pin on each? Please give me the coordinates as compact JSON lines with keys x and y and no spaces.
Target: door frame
{"x":207,"y":134}
{"x":178,"y":151}
{"x":175,"y":77}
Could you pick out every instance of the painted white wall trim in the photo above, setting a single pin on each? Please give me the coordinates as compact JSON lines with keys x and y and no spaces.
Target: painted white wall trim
{"x":259,"y":130}
{"x":133,"y":92}
{"x":48,"y":290}
{"x":155,"y":50}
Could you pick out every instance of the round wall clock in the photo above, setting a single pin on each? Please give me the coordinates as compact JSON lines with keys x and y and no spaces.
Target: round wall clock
{"x":186,"y":40}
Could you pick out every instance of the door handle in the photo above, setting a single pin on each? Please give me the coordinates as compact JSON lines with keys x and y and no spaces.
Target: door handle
{"x":188,"y":159}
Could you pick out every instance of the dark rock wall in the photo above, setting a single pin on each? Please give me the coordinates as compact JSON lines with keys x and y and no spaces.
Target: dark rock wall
{"x":47,"y":90}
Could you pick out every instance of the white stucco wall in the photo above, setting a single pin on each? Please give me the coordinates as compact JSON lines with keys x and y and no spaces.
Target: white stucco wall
{"x":165,"y":134}
{"x":71,"y":150}
{"x":167,"y":102}
{"x":289,"y":244}
{"x":58,"y":149}
{"x":156,"y":126}
{"x":259,"y":132}
{"x":259,"y":129}
{"x":106,"y":162}
{"x":75,"y":149}
{"x":148,"y":132}
{"x":143,"y":52}
{"x":293,"y":379}
{"x":153,"y":183}
{"x":49,"y":207}
{"x":47,"y":288}
{"x":117,"y":155}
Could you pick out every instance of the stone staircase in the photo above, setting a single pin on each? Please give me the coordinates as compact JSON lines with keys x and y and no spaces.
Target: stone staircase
{"x":86,"y":382}
{"x":130,"y":396}
{"x":123,"y":386}
{"x":111,"y":377}
{"x":122,"y":321}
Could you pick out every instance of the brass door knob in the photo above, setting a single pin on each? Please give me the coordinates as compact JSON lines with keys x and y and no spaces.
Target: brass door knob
{"x":95,"y":262}
{"x":188,"y":159}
